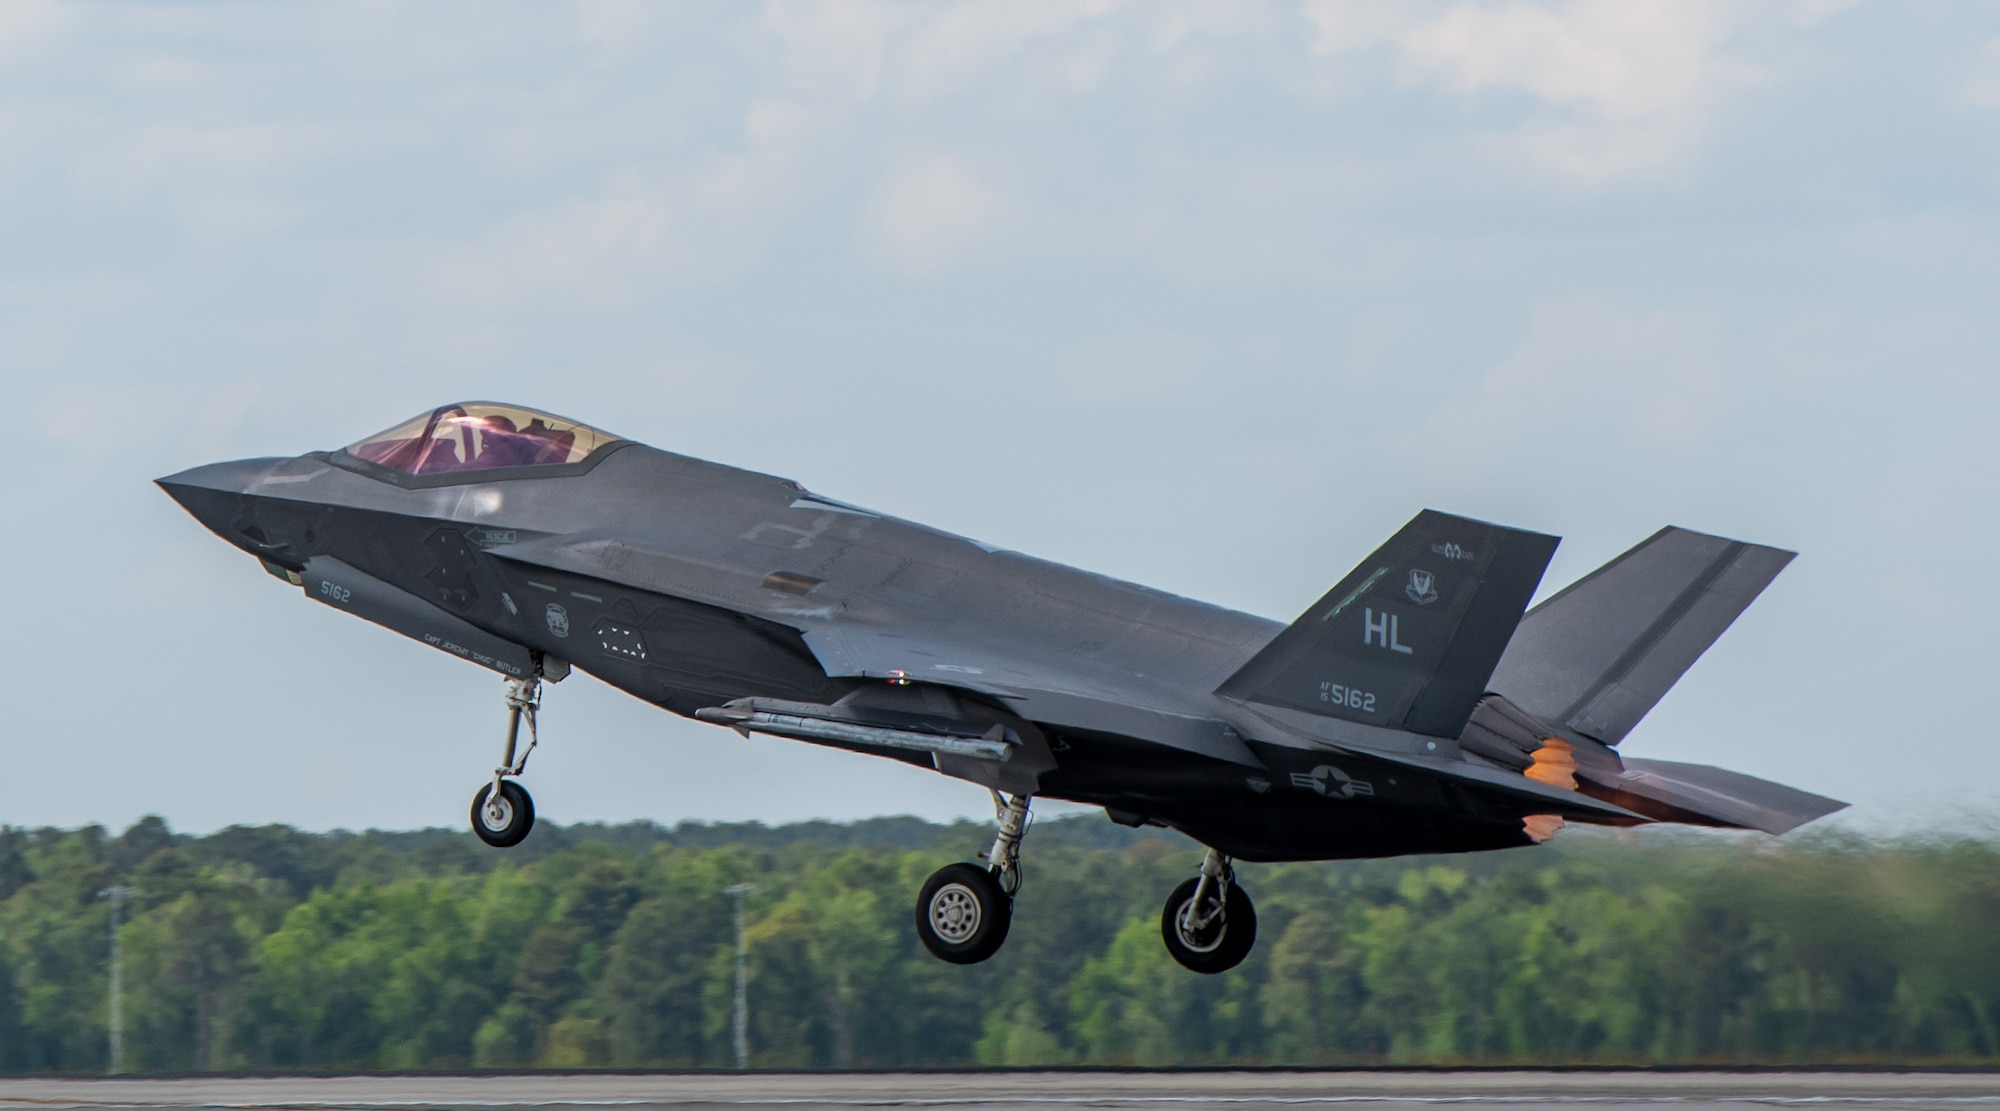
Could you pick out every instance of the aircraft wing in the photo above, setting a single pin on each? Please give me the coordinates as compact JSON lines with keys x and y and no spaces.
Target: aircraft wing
{"x":855,"y":635}
{"x":1080,"y":697}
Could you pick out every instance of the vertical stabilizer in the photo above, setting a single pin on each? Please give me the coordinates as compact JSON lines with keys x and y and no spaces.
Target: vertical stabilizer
{"x":1597,"y":656}
{"x":1408,"y":639}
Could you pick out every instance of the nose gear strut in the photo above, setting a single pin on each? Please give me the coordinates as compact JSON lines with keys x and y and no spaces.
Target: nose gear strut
{"x":524,"y":698}
{"x":502,"y":811}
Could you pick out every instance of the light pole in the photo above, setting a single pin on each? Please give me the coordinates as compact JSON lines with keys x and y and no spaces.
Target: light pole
{"x":742,"y":1023}
{"x":117,"y":894}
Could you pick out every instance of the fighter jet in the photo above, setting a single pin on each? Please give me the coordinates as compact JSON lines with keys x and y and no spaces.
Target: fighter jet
{"x":1416,"y":708}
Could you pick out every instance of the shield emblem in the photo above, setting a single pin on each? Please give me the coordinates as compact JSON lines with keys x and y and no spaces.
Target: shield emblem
{"x":558,"y":619}
{"x":1422,"y":589}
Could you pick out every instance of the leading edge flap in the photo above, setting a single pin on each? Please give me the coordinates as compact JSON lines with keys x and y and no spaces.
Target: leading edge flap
{"x":1408,"y":638}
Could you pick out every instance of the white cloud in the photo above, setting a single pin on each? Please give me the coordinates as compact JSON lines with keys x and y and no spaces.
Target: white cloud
{"x":966,"y":42}
{"x":23,"y":22}
{"x":934,"y":211}
{"x":831,"y":48}
{"x":1982,"y":89}
{"x":1028,"y":51}
{"x":1175,"y":27}
{"x":1618,"y":60}
{"x":1617,"y":88}
{"x":1341,"y":26}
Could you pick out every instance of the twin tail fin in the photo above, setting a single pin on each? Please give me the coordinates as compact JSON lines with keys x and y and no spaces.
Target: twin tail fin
{"x":1597,"y":656}
{"x":1409,"y":638}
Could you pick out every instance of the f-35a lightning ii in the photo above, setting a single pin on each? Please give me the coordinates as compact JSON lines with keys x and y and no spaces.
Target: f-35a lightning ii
{"x":1413,"y":709}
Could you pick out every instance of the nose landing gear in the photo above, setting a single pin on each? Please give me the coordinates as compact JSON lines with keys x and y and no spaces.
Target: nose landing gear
{"x":1208,"y":923}
{"x":502,"y":812}
{"x":965,"y":909}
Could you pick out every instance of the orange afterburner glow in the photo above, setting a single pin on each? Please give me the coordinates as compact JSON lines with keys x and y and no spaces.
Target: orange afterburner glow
{"x":1555,"y":765}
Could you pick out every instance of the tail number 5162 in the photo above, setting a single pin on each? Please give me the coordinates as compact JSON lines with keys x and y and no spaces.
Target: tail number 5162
{"x":1350,"y":697}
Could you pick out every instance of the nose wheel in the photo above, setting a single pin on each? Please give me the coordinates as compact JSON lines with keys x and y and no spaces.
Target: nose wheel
{"x":1208,"y":923}
{"x":503,"y":818}
{"x":502,"y":812}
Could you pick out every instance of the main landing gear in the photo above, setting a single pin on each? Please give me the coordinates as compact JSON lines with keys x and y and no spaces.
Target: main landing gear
{"x":1208,"y":922}
{"x":965,"y":909}
{"x":502,"y":812}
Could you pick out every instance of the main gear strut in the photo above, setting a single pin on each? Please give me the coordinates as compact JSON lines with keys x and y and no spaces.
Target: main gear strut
{"x":965,"y":909}
{"x":1208,"y":922}
{"x":1004,"y":858}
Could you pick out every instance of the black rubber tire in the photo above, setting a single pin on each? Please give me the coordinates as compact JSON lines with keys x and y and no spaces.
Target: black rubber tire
{"x":1238,"y":930}
{"x":521,"y":815}
{"x":949,"y":895}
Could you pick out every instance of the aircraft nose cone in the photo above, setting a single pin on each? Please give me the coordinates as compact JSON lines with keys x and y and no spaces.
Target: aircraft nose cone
{"x":215,"y":493}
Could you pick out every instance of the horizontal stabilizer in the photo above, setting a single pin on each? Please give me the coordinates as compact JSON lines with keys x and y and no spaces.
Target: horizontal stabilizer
{"x":1600,"y":654}
{"x":1408,"y":639}
{"x":1701,"y":795}
{"x":1516,"y":791}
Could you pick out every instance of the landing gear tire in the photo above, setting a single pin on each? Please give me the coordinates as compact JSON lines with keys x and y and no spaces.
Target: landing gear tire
{"x":963,"y":914}
{"x":1216,"y":945}
{"x":503,"y":822}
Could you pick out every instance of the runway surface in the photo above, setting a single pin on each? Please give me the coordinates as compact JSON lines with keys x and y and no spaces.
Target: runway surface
{"x":1026,"y":1091}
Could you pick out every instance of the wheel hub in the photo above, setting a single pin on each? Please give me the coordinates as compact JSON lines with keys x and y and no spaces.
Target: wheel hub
{"x":954,"y":913}
{"x":1199,"y":936}
{"x":498,"y":812}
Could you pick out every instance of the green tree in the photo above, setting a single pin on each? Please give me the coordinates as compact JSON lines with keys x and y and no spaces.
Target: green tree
{"x":190,"y":955}
{"x":658,"y":967}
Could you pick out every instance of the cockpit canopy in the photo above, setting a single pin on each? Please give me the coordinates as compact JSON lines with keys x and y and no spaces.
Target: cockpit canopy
{"x":480,"y":436}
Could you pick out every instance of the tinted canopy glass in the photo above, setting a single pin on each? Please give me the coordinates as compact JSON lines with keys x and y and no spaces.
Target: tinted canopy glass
{"x":480,"y":436}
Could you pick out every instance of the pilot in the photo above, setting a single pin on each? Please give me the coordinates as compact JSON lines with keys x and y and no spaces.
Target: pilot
{"x":553,"y":446}
{"x":501,"y":443}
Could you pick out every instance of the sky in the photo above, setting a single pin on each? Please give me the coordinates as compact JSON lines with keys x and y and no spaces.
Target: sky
{"x":1209,"y":296}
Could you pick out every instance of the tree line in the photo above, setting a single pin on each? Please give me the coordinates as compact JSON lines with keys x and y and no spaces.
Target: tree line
{"x":612,"y":946}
